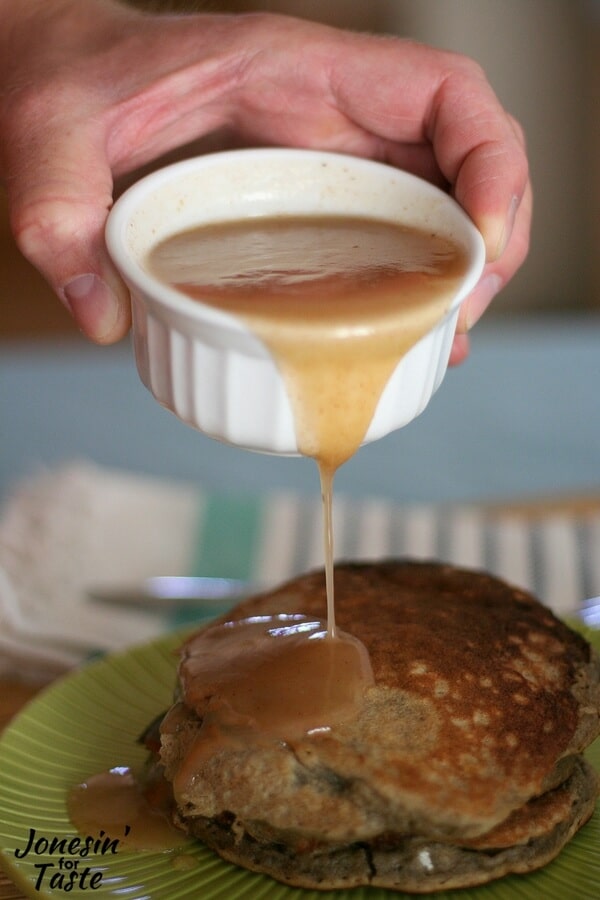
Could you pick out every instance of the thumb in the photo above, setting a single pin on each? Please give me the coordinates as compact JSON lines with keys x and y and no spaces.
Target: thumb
{"x":59,"y":195}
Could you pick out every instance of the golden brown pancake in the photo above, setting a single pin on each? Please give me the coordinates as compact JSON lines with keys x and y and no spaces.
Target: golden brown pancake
{"x":482,"y":703}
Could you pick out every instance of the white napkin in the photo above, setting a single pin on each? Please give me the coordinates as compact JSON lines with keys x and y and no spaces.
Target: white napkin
{"x":65,"y":531}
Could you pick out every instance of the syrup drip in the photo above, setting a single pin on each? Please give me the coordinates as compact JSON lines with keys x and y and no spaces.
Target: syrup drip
{"x":326,"y":478}
{"x":337,"y":300}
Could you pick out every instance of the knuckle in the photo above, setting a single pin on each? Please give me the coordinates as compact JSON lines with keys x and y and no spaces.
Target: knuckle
{"x":35,"y":228}
{"x":31,"y":103}
{"x":44,"y":229}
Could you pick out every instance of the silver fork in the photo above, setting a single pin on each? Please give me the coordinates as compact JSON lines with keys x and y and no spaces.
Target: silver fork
{"x":168,"y":592}
{"x":589,"y":612}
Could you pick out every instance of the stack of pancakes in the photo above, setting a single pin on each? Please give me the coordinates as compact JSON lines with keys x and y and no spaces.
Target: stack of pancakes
{"x":462,"y":763}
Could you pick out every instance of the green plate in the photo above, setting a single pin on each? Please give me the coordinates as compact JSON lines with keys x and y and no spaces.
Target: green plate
{"x":89,"y":722}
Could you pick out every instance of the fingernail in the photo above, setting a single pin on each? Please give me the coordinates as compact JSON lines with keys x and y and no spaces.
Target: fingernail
{"x":509,"y":222}
{"x":480,"y":298}
{"x":92,"y":304}
{"x":460,"y":350}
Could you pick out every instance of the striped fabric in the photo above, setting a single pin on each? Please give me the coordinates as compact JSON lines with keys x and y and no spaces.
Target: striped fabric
{"x":266,"y":540}
{"x":67,"y":531}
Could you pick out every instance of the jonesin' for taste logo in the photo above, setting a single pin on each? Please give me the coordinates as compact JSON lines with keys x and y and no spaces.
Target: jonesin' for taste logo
{"x":63,"y":861}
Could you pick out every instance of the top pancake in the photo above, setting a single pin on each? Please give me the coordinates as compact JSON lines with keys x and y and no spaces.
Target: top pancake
{"x":481,"y":699}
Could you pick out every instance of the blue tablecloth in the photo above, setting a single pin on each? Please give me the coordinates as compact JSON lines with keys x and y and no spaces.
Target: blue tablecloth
{"x":520,"y":417}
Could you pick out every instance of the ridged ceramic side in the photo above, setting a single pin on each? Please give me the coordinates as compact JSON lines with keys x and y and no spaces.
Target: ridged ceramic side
{"x":204,"y":365}
{"x":227,"y":394}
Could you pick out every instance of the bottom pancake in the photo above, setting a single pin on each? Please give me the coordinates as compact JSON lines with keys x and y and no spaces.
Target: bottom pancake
{"x":407,"y":863}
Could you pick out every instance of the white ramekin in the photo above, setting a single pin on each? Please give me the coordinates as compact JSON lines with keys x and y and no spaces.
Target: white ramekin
{"x":205,"y":365}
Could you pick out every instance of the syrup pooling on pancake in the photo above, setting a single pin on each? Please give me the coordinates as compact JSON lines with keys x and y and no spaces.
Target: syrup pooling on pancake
{"x":265,"y":678}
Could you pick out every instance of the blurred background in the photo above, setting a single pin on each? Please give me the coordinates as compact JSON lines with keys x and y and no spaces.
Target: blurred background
{"x":542,"y":58}
{"x":521,"y":418}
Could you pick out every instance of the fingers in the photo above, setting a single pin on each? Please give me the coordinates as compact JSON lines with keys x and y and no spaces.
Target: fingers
{"x":97,"y":90}
{"x":481,"y":151}
{"x":496,"y":274}
{"x":56,"y":70}
{"x":411,"y":96}
{"x":443,"y":101}
{"x":59,"y":195}
{"x":460,"y":349}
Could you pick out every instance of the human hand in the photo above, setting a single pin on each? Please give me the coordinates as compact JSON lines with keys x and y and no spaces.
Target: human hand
{"x":92,"y":90}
